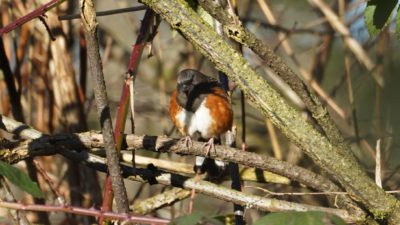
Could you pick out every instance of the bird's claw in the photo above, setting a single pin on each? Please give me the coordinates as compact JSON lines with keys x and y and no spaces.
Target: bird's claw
{"x":187,"y":141}
{"x":209,"y":145}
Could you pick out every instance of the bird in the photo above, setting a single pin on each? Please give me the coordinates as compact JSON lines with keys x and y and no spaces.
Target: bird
{"x":200,"y":107}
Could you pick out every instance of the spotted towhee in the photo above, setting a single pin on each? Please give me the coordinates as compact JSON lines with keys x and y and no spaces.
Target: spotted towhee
{"x":199,"y":107}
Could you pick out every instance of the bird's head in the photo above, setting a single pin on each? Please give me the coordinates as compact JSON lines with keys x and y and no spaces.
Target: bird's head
{"x":188,"y":79}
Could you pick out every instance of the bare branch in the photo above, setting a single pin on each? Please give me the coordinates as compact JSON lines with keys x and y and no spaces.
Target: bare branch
{"x":208,"y":188}
{"x":159,"y":201}
{"x":88,"y":140}
{"x":95,"y":67}
{"x":106,"y":13}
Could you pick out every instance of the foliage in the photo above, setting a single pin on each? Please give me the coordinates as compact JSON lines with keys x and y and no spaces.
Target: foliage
{"x":378,"y":15}
{"x":20,"y":179}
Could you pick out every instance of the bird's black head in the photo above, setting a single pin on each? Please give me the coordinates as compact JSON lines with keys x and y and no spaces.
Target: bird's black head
{"x":191,"y":85}
{"x":188,"y":79}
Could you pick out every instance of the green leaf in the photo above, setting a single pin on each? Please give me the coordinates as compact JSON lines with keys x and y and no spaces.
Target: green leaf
{"x":191,"y":219}
{"x":20,"y":179}
{"x":378,"y":14}
{"x":300,"y":218}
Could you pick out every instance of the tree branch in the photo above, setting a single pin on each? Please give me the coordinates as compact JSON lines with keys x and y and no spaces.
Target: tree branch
{"x":246,"y":174}
{"x":88,"y":18}
{"x":66,"y":144}
{"x":89,"y":140}
{"x":161,"y":200}
{"x":105,"y":13}
{"x":250,"y":201}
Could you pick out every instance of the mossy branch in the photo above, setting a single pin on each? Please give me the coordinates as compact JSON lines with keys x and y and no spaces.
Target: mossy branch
{"x":342,"y":167}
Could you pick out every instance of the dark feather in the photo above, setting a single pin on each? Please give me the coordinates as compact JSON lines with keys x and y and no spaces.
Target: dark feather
{"x":193,"y":87}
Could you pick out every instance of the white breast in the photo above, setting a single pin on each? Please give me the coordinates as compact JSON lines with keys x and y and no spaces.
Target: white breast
{"x":200,"y":121}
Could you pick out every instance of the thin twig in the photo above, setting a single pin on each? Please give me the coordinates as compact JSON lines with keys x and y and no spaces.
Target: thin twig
{"x":354,"y":46}
{"x":19,"y":216}
{"x":32,"y":15}
{"x":306,"y":75}
{"x":83,"y":211}
{"x":50,"y":182}
{"x":378,"y":170}
{"x":308,"y":193}
{"x":106,"y":13}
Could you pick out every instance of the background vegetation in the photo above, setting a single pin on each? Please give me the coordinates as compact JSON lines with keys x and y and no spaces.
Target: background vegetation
{"x":46,"y":82}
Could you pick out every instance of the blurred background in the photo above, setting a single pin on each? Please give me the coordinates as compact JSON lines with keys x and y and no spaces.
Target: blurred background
{"x":49,"y":70}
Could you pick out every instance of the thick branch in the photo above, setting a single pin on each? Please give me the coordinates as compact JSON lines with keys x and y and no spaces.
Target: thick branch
{"x":63,"y":144}
{"x":94,"y":61}
{"x":159,"y":201}
{"x":246,"y":174}
{"x":88,"y":140}
{"x":208,"y":188}
{"x":341,"y":166}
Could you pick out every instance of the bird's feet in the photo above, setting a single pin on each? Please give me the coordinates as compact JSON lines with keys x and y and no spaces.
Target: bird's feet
{"x":187,"y":140}
{"x":209,"y":145}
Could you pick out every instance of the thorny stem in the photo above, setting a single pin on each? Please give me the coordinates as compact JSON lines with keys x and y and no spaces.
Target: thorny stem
{"x":83,"y":211}
{"x":32,"y":15}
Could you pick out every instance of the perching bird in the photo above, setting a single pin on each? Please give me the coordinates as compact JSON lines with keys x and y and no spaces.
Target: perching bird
{"x":200,"y":107}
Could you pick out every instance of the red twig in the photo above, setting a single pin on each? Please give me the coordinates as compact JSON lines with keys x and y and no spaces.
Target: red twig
{"x":50,"y":182}
{"x":83,"y":211}
{"x":30,"y":16}
{"x":144,"y":36}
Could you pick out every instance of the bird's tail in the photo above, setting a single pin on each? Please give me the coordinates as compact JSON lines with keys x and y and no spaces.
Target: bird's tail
{"x":215,"y":169}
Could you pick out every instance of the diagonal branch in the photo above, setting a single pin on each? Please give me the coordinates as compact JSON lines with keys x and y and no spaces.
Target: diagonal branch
{"x":94,"y":61}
